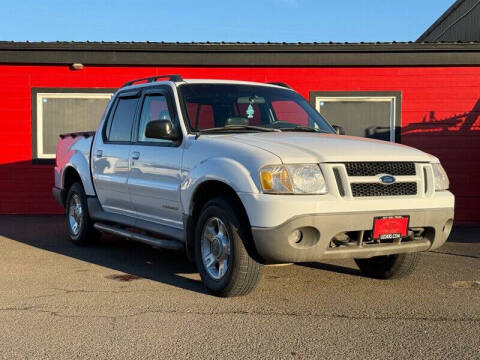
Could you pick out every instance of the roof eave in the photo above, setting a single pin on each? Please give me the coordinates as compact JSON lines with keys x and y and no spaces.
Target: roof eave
{"x":241,"y":54}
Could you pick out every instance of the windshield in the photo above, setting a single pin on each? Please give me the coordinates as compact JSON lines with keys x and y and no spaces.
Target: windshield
{"x":244,"y":107}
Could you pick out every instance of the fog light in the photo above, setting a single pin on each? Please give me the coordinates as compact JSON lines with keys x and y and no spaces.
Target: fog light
{"x":295,"y":237}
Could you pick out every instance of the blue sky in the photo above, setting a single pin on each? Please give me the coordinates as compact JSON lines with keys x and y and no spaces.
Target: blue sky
{"x":221,"y":20}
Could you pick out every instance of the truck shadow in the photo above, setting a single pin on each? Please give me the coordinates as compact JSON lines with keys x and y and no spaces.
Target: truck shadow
{"x":333,"y":268}
{"x":133,"y":259}
{"x":138,"y":261}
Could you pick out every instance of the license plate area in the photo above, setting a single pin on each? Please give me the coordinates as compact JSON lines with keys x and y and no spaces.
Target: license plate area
{"x":390,"y":227}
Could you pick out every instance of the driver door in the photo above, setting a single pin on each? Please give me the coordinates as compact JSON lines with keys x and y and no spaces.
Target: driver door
{"x":154,"y":181}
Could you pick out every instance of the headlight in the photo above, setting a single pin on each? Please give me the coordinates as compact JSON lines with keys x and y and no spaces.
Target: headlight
{"x":441,"y":178}
{"x":293,"y":179}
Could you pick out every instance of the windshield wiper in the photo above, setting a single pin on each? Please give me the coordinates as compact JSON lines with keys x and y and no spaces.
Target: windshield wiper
{"x":302,"y":128}
{"x":239,"y":127}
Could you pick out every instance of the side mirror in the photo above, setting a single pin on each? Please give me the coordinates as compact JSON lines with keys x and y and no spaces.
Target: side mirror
{"x":339,"y":130}
{"x":161,"y":129}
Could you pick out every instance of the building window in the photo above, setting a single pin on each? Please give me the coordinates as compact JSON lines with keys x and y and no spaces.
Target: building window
{"x":58,"y":111}
{"x":362,"y":113}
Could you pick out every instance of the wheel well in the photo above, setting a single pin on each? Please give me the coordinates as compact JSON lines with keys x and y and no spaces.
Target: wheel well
{"x":209,"y":190}
{"x":204,"y":192}
{"x":70,"y":177}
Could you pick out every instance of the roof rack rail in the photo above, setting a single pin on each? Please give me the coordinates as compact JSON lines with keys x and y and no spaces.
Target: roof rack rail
{"x":171,"y":77}
{"x":279,"y":84}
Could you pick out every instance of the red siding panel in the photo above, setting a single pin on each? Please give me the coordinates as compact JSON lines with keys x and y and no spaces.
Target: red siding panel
{"x":440,"y":115}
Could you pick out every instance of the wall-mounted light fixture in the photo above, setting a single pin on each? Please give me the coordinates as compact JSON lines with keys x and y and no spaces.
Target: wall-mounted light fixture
{"x":77,"y":66}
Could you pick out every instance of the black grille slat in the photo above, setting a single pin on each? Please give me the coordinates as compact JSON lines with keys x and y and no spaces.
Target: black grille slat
{"x":376,"y":168}
{"x":376,"y":189}
{"x":338,"y":179}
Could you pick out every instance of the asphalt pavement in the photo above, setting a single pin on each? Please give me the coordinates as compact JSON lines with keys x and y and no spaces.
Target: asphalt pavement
{"x":123,"y":300}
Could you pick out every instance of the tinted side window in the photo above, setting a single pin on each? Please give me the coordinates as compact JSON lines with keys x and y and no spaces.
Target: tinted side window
{"x":122,"y":121}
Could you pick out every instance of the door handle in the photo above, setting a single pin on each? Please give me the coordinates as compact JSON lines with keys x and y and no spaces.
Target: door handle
{"x":135,"y":155}
{"x":99,"y":153}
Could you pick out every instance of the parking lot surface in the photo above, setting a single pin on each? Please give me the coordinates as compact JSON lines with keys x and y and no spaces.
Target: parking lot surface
{"x":118,"y":299}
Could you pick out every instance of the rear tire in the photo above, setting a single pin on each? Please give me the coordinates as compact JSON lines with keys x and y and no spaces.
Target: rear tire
{"x":222,"y":240}
{"x":79,"y":225}
{"x":389,"y":266}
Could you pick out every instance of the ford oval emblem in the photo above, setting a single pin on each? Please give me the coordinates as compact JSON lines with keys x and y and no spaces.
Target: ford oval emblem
{"x":387,"y":179}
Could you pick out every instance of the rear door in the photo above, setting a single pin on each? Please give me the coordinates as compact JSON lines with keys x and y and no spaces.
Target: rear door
{"x":110,"y":155}
{"x":154,"y":181}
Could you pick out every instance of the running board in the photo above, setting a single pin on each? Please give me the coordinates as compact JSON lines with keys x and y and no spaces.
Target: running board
{"x":149,"y":240}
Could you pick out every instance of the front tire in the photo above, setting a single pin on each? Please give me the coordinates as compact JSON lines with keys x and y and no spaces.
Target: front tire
{"x":79,"y":225}
{"x":223,"y":260}
{"x":389,"y":266}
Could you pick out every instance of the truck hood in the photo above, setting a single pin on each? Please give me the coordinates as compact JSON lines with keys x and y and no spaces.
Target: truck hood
{"x":313,"y":147}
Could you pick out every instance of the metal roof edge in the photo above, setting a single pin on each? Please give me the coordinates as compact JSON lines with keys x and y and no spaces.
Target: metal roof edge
{"x":236,"y":46}
{"x":442,"y":17}
{"x":241,"y":54}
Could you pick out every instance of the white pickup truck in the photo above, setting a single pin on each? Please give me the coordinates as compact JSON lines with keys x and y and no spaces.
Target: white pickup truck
{"x":243,"y":174}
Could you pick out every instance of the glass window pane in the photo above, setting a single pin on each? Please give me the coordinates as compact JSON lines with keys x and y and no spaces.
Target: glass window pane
{"x":289,"y":111}
{"x":155,"y":107}
{"x":201,"y":115}
{"x":123,"y":120}
{"x":247,"y":105}
{"x":251,"y":112}
{"x":360,"y":118}
{"x":64,"y":115}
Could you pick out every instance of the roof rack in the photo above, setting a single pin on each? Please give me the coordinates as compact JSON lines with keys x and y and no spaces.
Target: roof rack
{"x":280,"y":84}
{"x":171,"y":77}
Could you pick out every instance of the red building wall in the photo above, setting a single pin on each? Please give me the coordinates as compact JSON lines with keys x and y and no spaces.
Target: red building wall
{"x":440,"y":115}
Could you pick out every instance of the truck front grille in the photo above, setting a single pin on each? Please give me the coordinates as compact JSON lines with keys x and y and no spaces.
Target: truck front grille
{"x":376,"y":189}
{"x":376,"y":168}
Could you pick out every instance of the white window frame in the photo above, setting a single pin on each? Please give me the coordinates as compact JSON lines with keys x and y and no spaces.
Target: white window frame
{"x":373,"y":98}
{"x":39,"y":115}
